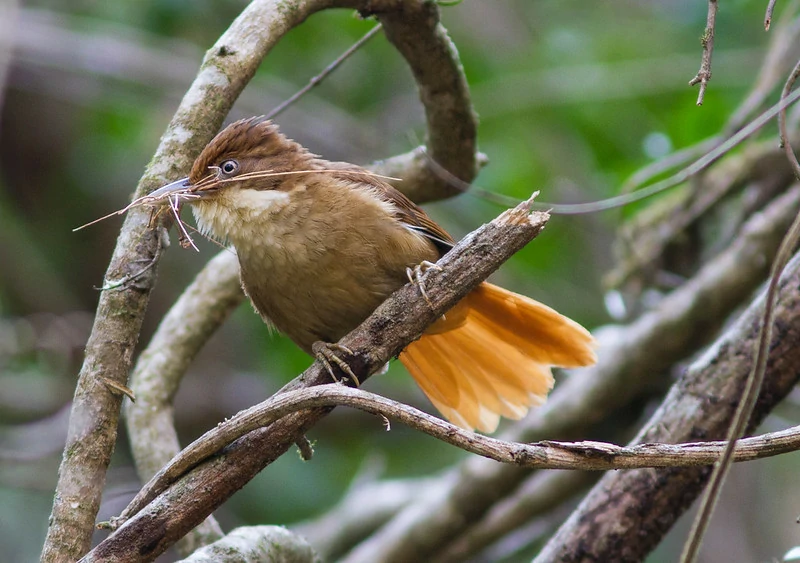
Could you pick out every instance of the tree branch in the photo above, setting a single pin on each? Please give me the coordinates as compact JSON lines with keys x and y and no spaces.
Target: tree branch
{"x":95,"y":410}
{"x":627,"y":513}
{"x":216,"y":291}
{"x":631,"y":359}
{"x":585,"y":455}
{"x":707,"y":40}
{"x":256,"y":544}
{"x":415,"y":31}
{"x":401,"y":319}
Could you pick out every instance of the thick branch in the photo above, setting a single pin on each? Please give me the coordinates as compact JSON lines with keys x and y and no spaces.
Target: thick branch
{"x":256,"y":544}
{"x":627,"y":513}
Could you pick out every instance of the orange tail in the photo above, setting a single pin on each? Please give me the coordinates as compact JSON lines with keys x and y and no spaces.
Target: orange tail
{"x":491,"y":356}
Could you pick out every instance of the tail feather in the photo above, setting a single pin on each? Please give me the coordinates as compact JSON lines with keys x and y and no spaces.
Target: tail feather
{"x":483,"y":400}
{"x":430,"y":359}
{"x":443,"y":388}
{"x":533,"y":327}
{"x":491,"y":356}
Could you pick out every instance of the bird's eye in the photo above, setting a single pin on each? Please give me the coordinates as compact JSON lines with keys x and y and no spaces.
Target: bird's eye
{"x":229,"y":167}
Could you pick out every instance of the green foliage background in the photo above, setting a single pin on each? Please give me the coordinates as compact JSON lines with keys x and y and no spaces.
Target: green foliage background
{"x":573,"y":97}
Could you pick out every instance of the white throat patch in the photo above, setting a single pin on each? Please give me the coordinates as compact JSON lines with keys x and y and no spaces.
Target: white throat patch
{"x":222,"y":216}
{"x":261,"y":201}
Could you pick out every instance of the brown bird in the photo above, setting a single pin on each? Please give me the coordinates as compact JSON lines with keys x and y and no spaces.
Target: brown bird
{"x":322,"y":244}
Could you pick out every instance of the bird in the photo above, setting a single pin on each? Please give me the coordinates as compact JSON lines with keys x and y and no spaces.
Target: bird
{"x":322,"y":244}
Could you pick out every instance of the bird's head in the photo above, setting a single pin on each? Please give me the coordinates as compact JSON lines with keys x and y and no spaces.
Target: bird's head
{"x":248,"y":154}
{"x":246,"y":171}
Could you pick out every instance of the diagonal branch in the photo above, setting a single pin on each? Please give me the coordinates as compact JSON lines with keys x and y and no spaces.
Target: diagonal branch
{"x":627,"y":513}
{"x":401,"y":319}
{"x":631,"y":359}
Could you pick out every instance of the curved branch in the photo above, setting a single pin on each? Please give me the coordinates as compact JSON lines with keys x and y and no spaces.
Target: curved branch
{"x":586,"y":455}
{"x":225,"y":71}
{"x":415,"y":31}
{"x":425,"y":45}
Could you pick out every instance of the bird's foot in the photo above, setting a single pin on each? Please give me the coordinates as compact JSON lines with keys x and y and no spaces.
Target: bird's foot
{"x":325,"y":352}
{"x":416,"y":275}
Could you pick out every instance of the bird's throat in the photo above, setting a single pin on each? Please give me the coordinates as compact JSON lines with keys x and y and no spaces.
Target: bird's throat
{"x":243,"y":216}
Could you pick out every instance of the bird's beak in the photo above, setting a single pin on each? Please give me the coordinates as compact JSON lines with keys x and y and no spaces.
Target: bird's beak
{"x":182,"y":185}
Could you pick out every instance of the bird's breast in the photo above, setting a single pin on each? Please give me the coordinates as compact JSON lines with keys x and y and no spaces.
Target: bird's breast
{"x":317,"y":261}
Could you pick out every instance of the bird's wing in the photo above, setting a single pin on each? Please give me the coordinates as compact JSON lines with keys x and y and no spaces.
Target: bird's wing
{"x":407,"y":212}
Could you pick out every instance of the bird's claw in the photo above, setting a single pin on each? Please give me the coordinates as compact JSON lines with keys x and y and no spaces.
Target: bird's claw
{"x":416,"y":275}
{"x":325,"y":352}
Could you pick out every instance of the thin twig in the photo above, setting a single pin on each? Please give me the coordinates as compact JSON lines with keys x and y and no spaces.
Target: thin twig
{"x":670,"y":162}
{"x":184,"y":238}
{"x":704,"y":74}
{"x":326,"y":71}
{"x":768,"y":15}
{"x":771,"y":70}
{"x":756,"y":377}
{"x":677,"y":179}
{"x":785,"y":140}
{"x":776,"y":64}
{"x":175,"y":199}
{"x":585,"y":455}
